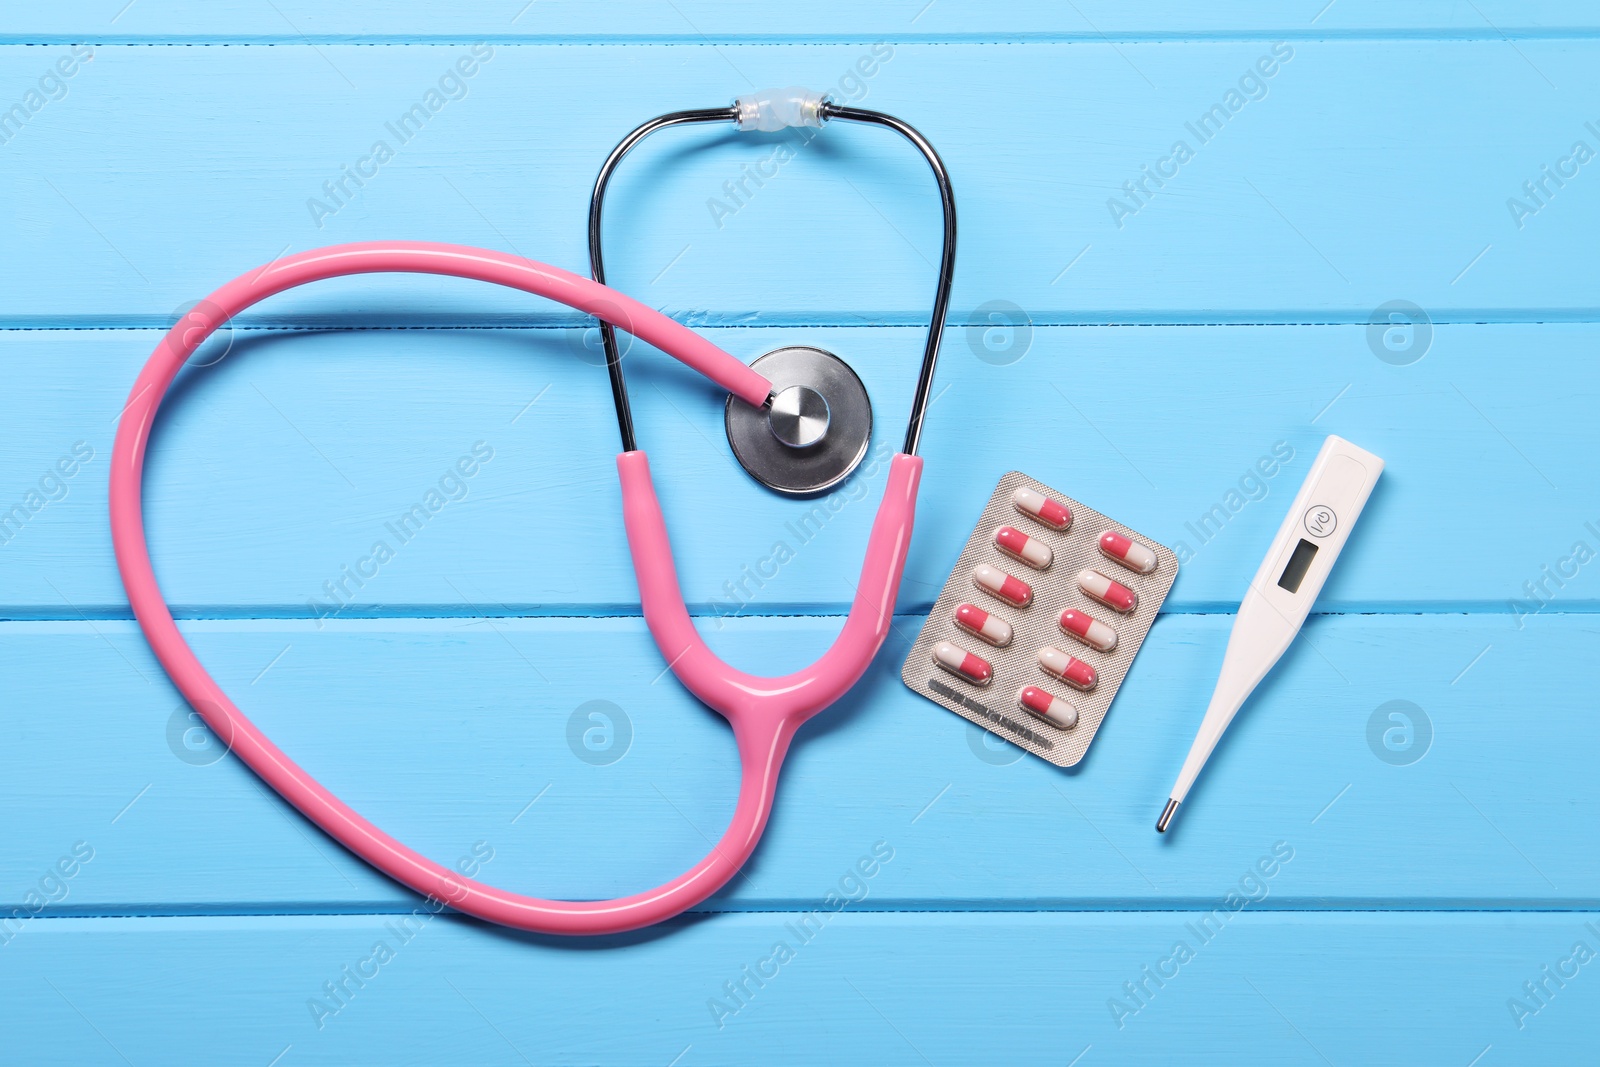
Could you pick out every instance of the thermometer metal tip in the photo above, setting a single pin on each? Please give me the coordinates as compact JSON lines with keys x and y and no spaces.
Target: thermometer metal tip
{"x":1282,"y":592}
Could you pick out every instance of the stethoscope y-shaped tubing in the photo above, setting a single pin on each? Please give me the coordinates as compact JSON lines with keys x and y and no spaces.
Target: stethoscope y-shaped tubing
{"x":766,"y":712}
{"x":828,"y":110}
{"x":762,"y":740}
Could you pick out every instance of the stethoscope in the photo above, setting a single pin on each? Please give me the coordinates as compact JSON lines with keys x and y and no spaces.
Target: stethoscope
{"x":798,"y":420}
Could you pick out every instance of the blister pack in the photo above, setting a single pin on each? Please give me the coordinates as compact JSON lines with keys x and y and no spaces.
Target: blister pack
{"x":1038,"y":624}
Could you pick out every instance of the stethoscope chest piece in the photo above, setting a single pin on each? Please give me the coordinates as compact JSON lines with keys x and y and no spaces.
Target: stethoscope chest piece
{"x":812,"y":432}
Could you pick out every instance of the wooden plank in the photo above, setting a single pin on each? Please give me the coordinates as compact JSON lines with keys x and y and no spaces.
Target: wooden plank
{"x":452,"y":733}
{"x":1393,"y":817}
{"x":690,"y":21}
{"x":896,"y":989}
{"x":1297,"y":209}
{"x":287,"y":460}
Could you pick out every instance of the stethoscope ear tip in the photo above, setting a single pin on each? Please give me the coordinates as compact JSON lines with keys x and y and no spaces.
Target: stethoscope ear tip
{"x":813,"y":430}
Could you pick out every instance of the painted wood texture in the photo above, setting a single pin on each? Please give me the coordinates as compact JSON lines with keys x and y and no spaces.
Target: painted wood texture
{"x":690,"y":21}
{"x":908,"y":988}
{"x":1162,"y":356}
{"x":287,"y":460}
{"x":1314,"y":202}
{"x":1487,"y":815}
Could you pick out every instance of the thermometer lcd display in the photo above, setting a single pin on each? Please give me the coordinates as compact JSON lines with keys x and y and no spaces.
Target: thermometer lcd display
{"x":1299,"y":563}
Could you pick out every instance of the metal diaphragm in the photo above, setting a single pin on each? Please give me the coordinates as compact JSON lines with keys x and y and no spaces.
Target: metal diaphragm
{"x":812,"y":432}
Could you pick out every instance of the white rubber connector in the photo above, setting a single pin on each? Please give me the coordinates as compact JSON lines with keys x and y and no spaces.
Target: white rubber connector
{"x":776,"y":109}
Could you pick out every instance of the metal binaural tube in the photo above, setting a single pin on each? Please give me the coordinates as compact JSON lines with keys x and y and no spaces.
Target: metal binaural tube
{"x":947,"y":259}
{"x":597,"y":267}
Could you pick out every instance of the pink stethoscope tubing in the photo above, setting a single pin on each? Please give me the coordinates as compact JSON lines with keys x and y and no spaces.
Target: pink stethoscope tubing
{"x":763,"y":712}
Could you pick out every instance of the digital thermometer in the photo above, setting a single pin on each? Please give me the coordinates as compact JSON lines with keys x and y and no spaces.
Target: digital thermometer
{"x":1283,"y":590}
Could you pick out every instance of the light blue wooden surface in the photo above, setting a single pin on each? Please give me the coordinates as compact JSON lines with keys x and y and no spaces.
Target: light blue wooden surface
{"x":1223,"y":318}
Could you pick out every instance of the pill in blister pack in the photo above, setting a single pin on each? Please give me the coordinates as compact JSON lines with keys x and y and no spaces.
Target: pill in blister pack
{"x":1089,"y":630}
{"x":1050,"y":708}
{"x":1069,"y":669}
{"x":1112,"y":594}
{"x":982,"y":625}
{"x":1022,"y":548}
{"x":1128,"y":552}
{"x":1038,"y":506}
{"x":963,"y":664}
{"x":1012,"y":590}
{"x":1072,"y":626}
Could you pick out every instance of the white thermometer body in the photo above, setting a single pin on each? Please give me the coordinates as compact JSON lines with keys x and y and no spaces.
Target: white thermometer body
{"x":1281,"y":594}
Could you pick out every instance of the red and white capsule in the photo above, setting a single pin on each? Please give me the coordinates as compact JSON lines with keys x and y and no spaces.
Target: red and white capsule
{"x":1022,"y":548}
{"x":963,"y":664}
{"x":1013,"y":591}
{"x":1038,"y":506}
{"x":983,"y":626}
{"x":1089,"y":630}
{"x":1113,"y":595}
{"x":1069,"y":669}
{"x":1128,"y":552}
{"x":1052,"y":709}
